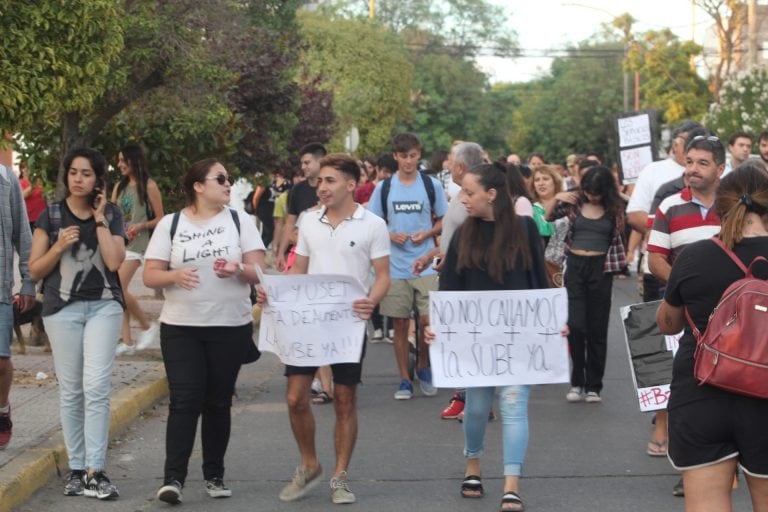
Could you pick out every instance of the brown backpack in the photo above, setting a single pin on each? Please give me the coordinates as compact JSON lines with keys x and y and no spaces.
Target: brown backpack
{"x":732,"y":353}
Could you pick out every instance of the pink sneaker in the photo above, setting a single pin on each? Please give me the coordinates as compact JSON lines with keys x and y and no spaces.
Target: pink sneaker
{"x":6,"y":428}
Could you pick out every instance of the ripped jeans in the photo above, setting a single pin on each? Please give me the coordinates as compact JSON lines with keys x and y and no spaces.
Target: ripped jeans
{"x":513,"y":409}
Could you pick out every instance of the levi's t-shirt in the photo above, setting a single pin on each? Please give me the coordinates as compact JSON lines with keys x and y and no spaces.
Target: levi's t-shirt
{"x":197,"y":244}
{"x":80,"y":273}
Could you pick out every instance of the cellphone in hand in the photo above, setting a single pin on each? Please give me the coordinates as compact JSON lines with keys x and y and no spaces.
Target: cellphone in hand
{"x":94,"y":197}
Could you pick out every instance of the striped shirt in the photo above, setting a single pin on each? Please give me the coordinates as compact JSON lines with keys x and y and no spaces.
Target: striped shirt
{"x":14,"y":236}
{"x":680,"y":221}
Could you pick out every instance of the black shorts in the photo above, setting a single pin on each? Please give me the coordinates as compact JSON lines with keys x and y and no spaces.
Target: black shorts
{"x":705,"y":432}
{"x":346,"y":374}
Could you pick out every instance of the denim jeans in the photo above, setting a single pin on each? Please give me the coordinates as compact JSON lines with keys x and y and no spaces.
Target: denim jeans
{"x":6,"y":329}
{"x":202,"y":364}
{"x":513,"y":410}
{"x":83,"y":338}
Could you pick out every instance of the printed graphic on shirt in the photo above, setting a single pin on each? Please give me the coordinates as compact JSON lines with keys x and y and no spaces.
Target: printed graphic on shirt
{"x":82,"y":271}
{"x":203,"y":244}
{"x":407,"y":206}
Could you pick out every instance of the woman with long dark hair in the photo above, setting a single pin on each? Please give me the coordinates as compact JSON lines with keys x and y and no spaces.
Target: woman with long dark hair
{"x":711,"y":430}
{"x":495,"y":249}
{"x":78,"y":245}
{"x":204,"y":259}
{"x":595,"y":252}
{"x":139,"y":198}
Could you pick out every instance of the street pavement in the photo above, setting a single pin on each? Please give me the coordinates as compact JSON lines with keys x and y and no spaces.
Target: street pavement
{"x":581,"y":457}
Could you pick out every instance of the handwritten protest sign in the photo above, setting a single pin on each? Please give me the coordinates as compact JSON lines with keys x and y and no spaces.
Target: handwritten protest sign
{"x":633,"y":161}
{"x":634,"y":130}
{"x":650,"y":354}
{"x":308,"y":319}
{"x":498,"y":338}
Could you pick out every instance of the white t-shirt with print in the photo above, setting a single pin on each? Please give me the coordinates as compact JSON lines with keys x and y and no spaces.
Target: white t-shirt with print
{"x":197,"y":244}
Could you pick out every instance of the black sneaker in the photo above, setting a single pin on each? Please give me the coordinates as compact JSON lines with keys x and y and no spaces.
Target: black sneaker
{"x":75,"y":483}
{"x":99,"y":486}
{"x":170,"y":492}
{"x":216,"y":488}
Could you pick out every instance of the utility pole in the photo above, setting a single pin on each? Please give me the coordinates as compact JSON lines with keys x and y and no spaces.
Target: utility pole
{"x":752,"y":38}
{"x":371,"y":8}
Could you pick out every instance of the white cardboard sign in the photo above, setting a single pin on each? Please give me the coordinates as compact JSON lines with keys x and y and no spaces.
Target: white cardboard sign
{"x":498,"y":338}
{"x":308,"y":319}
{"x":634,"y":130}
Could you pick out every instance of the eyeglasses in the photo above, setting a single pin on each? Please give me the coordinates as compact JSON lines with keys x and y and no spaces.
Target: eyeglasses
{"x":710,"y":138}
{"x":222,"y":178}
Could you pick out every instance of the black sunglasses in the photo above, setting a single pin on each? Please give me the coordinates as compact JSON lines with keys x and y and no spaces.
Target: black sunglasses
{"x":222,"y":178}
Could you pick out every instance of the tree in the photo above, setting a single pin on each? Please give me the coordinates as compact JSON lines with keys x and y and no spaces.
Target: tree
{"x":668,"y":82}
{"x":743,"y":105}
{"x":366,"y":67}
{"x":730,"y":17}
{"x":553,"y":117}
{"x":55,"y":57}
{"x":465,"y":27}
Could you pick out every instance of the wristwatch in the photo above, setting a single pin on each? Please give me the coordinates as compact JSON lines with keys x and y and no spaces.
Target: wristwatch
{"x":240,"y":269}
{"x":101,"y":224}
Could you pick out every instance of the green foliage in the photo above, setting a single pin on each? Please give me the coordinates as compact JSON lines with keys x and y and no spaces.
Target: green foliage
{"x":743,"y":105}
{"x":668,"y":82}
{"x":571,"y":110}
{"x":55,"y":56}
{"x":367,"y":69}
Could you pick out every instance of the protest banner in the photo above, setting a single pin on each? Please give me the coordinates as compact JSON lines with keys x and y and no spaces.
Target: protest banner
{"x":308,"y":319}
{"x":636,"y":141}
{"x":650,"y":354}
{"x":498,"y":338}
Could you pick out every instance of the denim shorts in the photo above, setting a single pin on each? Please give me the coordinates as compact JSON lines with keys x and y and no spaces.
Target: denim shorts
{"x":6,"y":329}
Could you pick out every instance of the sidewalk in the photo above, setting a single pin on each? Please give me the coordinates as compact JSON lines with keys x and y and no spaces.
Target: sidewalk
{"x":36,"y":452}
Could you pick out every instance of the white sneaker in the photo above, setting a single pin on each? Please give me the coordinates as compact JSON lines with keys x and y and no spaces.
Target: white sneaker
{"x":317,"y":386}
{"x":377,"y":337}
{"x":574,"y":395}
{"x":125,"y":350}
{"x":147,"y":338}
{"x":593,"y":397}
{"x":340,"y":492}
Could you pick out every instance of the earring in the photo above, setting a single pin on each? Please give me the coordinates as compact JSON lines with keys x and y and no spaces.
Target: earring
{"x":490,"y":202}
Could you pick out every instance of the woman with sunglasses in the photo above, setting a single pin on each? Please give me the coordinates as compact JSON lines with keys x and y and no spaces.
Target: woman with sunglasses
{"x":138,"y":196}
{"x":204,"y":258}
{"x":595,"y":252}
{"x":78,"y":245}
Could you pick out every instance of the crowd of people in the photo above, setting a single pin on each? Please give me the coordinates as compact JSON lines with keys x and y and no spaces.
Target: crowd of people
{"x":469,"y":223}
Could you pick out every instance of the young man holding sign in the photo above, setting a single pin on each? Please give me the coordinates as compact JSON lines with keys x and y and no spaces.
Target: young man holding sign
{"x":342,"y":237}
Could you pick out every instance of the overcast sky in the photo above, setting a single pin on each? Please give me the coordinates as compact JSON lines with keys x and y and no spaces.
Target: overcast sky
{"x":554,"y":24}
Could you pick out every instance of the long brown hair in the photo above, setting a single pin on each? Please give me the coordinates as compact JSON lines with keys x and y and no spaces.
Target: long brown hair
{"x":509,"y":248}
{"x":745,"y":190}
{"x":196,"y":174}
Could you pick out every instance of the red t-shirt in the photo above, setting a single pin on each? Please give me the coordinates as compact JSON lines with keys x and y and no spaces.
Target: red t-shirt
{"x":35,"y":201}
{"x":363,"y":192}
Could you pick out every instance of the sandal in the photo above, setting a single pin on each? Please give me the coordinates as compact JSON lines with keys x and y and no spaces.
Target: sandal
{"x":511,"y":498}
{"x":322,"y":398}
{"x":472,"y":487}
{"x":657,"y":448}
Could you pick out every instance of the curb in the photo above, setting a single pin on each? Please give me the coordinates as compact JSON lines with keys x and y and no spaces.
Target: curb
{"x":31,"y":470}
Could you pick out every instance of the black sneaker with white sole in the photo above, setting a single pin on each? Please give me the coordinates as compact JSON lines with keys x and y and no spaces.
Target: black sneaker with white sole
{"x":216,"y":488}
{"x":75,"y":485}
{"x":170,"y":492}
{"x":99,"y":486}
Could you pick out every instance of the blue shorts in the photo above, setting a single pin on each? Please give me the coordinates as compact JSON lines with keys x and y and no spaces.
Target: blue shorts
{"x":6,"y":329}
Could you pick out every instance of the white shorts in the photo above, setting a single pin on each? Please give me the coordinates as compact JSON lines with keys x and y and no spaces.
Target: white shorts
{"x":131,"y":255}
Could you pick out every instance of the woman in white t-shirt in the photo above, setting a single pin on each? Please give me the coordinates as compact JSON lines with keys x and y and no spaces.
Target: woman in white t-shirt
{"x":204,"y":257}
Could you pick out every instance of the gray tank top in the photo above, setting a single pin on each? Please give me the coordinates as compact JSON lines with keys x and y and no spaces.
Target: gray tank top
{"x":592,"y":234}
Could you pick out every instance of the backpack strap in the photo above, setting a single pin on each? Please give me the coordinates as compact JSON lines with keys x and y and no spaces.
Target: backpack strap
{"x":54,"y":222}
{"x":385,"y":186}
{"x":235,"y":219}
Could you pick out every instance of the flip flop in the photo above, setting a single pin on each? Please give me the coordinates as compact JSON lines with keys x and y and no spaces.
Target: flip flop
{"x":657,"y":448}
{"x":472,"y":484}
{"x":322,"y":398}
{"x":511,"y":498}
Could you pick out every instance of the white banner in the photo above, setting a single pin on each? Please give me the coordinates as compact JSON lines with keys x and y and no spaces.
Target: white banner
{"x":308,"y":319}
{"x":499,"y":338}
{"x":633,"y":161}
{"x":634,"y":130}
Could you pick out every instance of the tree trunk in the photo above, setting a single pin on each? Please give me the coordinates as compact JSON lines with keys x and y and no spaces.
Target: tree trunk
{"x":70,"y":138}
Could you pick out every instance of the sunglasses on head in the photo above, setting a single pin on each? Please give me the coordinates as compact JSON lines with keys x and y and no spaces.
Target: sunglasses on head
{"x":222,"y":178}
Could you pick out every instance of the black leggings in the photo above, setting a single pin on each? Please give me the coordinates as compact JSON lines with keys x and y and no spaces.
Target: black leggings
{"x":202,"y":364}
